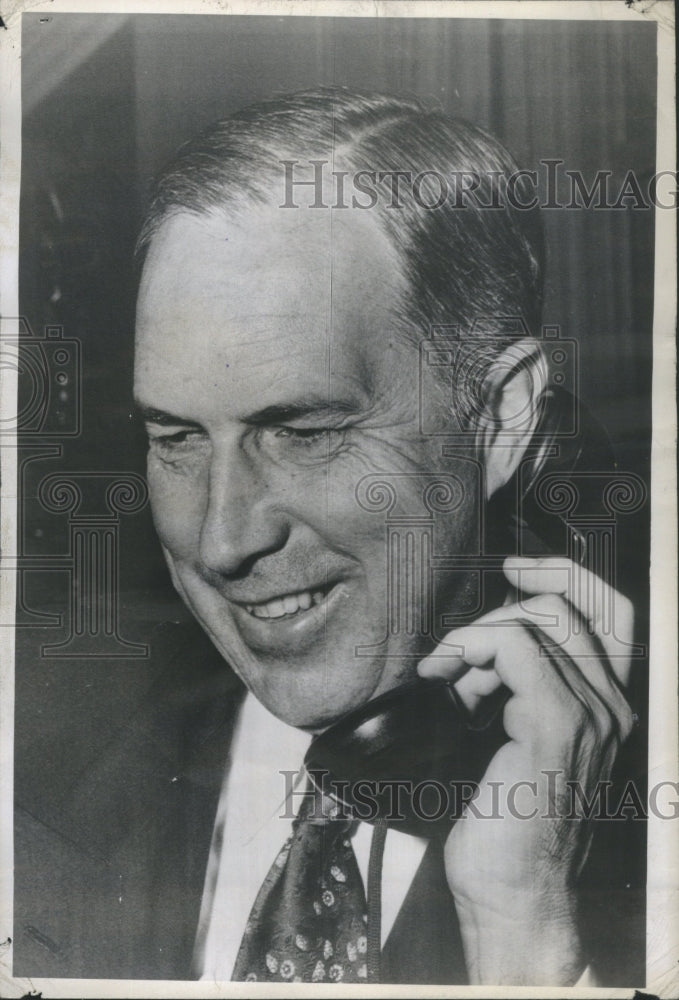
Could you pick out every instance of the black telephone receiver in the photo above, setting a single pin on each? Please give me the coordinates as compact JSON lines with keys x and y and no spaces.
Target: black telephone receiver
{"x":414,"y":756}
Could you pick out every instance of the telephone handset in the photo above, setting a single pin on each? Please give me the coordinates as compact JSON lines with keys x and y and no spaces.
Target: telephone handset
{"x":414,"y":756}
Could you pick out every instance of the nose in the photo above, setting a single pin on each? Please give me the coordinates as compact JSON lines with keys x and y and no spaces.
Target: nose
{"x":241,"y":522}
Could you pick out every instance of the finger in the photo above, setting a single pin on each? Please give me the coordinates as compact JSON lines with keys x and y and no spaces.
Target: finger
{"x":579,"y":655}
{"x":585,"y":670}
{"x":518,"y":631}
{"x":609,"y":615}
{"x":525,"y":658}
{"x":550,"y":612}
{"x":544,"y":704}
{"x":562,"y":629}
{"x":445,"y":661}
{"x":551,"y":692}
{"x":493,"y":645}
{"x":476,"y":686}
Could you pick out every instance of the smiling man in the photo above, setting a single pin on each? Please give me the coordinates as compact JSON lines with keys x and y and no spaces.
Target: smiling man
{"x":278,"y":362}
{"x":277,"y":365}
{"x":278,"y":352}
{"x":295,"y":382}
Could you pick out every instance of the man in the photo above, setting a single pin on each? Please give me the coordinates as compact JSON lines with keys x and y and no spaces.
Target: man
{"x":279,"y":326}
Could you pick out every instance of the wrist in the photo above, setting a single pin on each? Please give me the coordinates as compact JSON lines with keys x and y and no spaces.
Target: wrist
{"x":523,"y":941}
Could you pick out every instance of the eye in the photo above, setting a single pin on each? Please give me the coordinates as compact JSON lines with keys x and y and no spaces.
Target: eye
{"x":170,"y":441}
{"x":170,"y":438}
{"x":303,"y":444}
{"x":305,"y":435}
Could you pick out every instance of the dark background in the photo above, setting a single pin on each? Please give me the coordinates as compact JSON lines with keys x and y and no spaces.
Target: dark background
{"x":108,"y":98}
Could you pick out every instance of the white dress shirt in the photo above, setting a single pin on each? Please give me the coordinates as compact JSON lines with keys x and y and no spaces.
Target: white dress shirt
{"x":249,"y":832}
{"x":253,"y":822}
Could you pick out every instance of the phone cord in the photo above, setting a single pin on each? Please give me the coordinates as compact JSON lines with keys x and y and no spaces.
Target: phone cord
{"x":375,"y":900}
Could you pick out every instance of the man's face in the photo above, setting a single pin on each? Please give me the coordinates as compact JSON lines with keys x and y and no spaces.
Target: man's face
{"x":273,"y":380}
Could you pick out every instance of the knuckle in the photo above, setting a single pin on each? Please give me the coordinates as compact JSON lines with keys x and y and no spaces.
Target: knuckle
{"x":516,"y":717}
{"x":592,"y":716}
{"x":579,"y":713}
{"x":560,"y":563}
{"x":603,"y":719}
{"x":607,"y":727}
{"x":546,"y":602}
{"x":550,"y":606}
{"x":601,"y":734}
{"x":624,"y":610}
{"x":624,"y":603}
{"x":625,"y":721}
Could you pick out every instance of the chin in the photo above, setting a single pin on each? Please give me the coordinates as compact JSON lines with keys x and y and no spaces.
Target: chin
{"x":315,"y":714}
{"x":309,"y":703}
{"x":306,"y":700}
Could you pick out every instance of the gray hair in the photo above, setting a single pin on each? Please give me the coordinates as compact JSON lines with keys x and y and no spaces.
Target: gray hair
{"x":464,"y":265}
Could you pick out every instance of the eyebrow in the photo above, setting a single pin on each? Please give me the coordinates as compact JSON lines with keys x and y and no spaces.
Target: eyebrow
{"x":267,"y":416}
{"x":301,"y":408}
{"x":161,"y":417}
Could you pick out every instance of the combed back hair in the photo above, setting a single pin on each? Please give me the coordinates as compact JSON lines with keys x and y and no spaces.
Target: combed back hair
{"x":469,"y":267}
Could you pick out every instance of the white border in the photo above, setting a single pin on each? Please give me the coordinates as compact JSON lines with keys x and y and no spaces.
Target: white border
{"x":553,"y":10}
{"x":663,"y":836}
{"x":662,"y":884}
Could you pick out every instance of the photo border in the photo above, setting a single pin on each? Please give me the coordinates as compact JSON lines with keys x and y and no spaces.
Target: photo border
{"x":663,"y":837}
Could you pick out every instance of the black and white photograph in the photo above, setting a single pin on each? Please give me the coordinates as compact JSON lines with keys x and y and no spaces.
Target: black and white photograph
{"x":338,"y":434}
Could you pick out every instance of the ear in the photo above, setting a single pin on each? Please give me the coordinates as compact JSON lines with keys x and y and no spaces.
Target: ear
{"x":513,"y":391}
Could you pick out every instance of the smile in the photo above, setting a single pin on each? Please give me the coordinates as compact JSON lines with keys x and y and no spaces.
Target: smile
{"x":288,"y":604}
{"x":290,"y":622}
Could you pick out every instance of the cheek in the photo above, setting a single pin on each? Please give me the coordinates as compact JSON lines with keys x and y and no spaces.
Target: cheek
{"x":177,"y":504}
{"x":362,"y":509}
{"x":357,"y":533}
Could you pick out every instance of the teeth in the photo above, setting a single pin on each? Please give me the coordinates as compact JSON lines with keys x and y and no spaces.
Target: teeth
{"x":276,"y":608}
{"x":288,"y":605}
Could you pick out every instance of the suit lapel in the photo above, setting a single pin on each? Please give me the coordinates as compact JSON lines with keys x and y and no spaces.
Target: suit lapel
{"x":191,"y":722}
{"x":112,"y":881}
{"x":179,"y":842}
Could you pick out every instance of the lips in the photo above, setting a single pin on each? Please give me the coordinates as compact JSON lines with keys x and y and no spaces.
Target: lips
{"x":269,"y":630}
{"x":287,"y":604}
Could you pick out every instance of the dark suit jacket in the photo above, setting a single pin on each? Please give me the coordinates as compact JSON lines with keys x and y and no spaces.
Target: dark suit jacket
{"x":110,"y":852}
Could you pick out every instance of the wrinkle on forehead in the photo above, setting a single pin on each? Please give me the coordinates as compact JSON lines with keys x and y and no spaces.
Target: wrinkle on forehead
{"x":338,"y":251}
{"x":269,"y":304}
{"x":322,"y":264}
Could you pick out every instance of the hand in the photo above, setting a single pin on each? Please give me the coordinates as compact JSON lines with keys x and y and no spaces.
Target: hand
{"x":563,"y":652}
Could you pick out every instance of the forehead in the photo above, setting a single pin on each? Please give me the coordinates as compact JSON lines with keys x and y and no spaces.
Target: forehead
{"x":290,"y":296}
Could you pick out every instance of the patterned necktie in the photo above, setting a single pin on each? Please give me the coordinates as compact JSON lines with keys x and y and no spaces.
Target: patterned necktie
{"x":309,"y":921}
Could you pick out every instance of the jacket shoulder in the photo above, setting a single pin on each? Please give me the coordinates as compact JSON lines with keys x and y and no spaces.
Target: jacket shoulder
{"x":110,"y":820}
